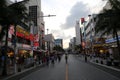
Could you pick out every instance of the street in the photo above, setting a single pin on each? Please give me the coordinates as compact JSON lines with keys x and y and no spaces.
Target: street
{"x":74,"y":70}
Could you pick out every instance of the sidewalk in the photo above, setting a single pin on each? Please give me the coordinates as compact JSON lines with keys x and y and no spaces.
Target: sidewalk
{"x":22,"y":73}
{"x":103,"y":63}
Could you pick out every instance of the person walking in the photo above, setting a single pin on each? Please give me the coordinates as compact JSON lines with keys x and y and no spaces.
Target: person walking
{"x":59,"y":57}
{"x":66,"y":58}
{"x":85,"y":58}
{"x":52,"y":59}
{"x":47,"y":60}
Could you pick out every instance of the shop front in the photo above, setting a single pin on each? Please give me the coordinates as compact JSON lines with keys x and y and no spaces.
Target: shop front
{"x":113,"y":49}
{"x":100,"y":48}
{"x":9,"y":57}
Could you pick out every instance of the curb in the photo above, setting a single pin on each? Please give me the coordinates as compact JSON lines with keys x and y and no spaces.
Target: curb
{"x":103,"y":65}
{"x":106,"y":66}
{"x":22,"y":73}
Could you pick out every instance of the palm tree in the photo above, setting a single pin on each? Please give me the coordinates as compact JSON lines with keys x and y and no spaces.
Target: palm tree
{"x":10,"y":14}
{"x":108,"y":21}
{"x":4,"y":10}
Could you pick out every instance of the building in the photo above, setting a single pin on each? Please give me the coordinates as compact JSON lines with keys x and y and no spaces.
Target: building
{"x":90,"y":32}
{"x":59,"y":42}
{"x":72,"y":44}
{"x":30,"y":35}
{"x":110,"y":41}
{"x":34,"y":10}
{"x":49,"y":42}
{"x":77,"y":30}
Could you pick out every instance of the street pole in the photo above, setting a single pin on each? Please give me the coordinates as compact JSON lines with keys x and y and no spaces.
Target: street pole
{"x":15,"y":50}
{"x":90,"y":34}
{"x":15,"y":47}
{"x":48,"y":43}
{"x":47,"y":31}
{"x":4,"y":72}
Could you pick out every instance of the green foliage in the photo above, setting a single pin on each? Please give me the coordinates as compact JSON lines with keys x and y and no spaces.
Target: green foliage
{"x":58,"y":48}
{"x":108,"y":20}
{"x":11,"y":14}
{"x":78,"y":47}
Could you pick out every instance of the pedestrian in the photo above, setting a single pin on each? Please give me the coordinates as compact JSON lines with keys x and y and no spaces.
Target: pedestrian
{"x":66,"y":58}
{"x":52,"y":59}
{"x":59,"y":57}
{"x":85,"y":58}
{"x":47,"y":60}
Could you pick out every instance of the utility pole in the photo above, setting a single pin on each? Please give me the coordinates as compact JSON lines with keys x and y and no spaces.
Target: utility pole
{"x":91,"y":38}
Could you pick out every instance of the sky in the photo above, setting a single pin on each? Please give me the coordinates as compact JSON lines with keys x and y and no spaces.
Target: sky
{"x":67,"y":13}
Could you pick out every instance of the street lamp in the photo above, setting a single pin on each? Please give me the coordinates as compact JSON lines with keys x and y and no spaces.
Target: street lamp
{"x":47,"y":29}
{"x":47,"y":16}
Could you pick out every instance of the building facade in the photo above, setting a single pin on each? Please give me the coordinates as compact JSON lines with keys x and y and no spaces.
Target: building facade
{"x":49,"y":42}
{"x":34,"y":10}
{"x":77,"y":30}
{"x":59,"y":42}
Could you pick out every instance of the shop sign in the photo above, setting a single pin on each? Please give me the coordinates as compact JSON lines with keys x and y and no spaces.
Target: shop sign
{"x":36,"y":38}
{"x":29,"y":37}
{"x":36,"y":44}
{"x":112,"y":40}
{"x":26,"y":46}
{"x":21,"y":30}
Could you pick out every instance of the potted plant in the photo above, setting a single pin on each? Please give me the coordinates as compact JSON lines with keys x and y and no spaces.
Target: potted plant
{"x":96,"y":61}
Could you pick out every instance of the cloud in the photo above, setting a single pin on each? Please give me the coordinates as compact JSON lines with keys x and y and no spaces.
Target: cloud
{"x":61,"y":34}
{"x":78,"y":11}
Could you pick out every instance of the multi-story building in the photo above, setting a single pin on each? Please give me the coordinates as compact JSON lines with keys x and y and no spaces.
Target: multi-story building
{"x":72,"y":44}
{"x":90,"y":32}
{"x":59,"y":42}
{"x":19,"y":43}
{"x":49,"y":42}
{"x":34,"y":10}
{"x":95,"y":41}
{"x":77,"y":30}
{"x":110,"y":41}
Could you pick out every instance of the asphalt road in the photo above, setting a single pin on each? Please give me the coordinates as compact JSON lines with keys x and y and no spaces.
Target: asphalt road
{"x":74,"y":70}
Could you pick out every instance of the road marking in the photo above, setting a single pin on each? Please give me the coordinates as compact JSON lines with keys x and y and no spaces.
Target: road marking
{"x":66,"y":75}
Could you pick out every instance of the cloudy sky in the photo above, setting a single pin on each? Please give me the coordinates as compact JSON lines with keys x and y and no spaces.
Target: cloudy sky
{"x":67,"y":12}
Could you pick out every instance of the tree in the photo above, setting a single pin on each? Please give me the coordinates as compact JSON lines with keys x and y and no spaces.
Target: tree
{"x":58,"y":48}
{"x":78,"y":47}
{"x":10,"y":14}
{"x":108,"y":21}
